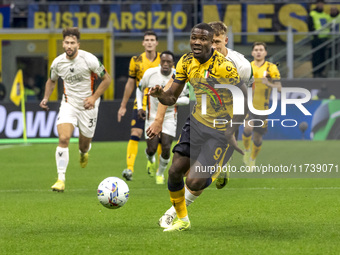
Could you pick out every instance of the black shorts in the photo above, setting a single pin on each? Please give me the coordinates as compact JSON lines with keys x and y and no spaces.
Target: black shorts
{"x":206,"y":145}
{"x":260,"y":122}
{"x":137,"y":122}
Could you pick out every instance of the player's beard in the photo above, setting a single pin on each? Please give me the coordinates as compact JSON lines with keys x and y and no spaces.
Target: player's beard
{"x":73,"y":52}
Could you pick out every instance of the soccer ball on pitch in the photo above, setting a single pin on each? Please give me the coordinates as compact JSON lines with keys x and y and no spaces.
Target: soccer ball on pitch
{"x":113,"y":192}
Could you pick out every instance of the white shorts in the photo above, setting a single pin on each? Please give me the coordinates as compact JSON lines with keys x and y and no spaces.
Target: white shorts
{"x":85,"y":120}
{"x":169,"y":126}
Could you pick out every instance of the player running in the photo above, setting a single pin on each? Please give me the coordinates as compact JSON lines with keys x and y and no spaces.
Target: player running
{"x":202,"y":144}
{"x":79,"y":105}
{"x":138,"y":65}
{"x":267,"y":76}
{"x":246,"y":76}
{"x":160,"y":76}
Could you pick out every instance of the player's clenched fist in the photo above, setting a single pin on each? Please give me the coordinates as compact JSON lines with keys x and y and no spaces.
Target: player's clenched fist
{"x":43,"y":104}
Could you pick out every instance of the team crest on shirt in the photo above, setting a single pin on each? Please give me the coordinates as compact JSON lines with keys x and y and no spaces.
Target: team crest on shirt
{"x":73,"y":78}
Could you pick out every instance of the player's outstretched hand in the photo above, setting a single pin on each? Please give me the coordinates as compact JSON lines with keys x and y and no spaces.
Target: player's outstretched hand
{"x":121,"y":113}
{"x":141,"y":114}
{"x":156,"y":91}
{"x":89,"y":103}
{"x":43,"y":104}
{"x":154,"y":129}
{"x":232,"y":142}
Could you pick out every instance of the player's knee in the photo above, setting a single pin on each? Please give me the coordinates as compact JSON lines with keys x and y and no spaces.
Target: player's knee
{"x":174,"y":174}
{"x":151,"y":150}
{"x":196,"y":184}
{"x":64,"y":139}
{"x":247,"y":131}
{"x":166,"y":151}
{"x":257,"y":138}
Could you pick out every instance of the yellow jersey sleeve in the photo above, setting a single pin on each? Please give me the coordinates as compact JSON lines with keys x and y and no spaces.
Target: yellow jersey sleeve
{"x":274,"y":72}
{"x":181,"y":70}
{"x":228,"y":72}
{"x":132,"y":68}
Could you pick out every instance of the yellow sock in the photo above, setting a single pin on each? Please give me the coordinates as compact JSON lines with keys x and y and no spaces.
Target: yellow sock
{"x":159,"y":151}
{"x":132,"y":150}
{"x":177,"y":199}
{"x":246,"y":141}
{"x":255,"y":151}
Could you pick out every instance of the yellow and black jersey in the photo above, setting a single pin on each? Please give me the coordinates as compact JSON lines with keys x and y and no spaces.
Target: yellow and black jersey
{"x":203,"y":77}
{"x":138,"y":66}
{"x":262,"y":91}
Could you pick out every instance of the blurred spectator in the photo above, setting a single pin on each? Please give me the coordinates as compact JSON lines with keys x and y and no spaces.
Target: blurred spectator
{"x":335,"y":17}
{"x":334,"y":12}
{"x":31,"y":91}
{"x":316,"y":20}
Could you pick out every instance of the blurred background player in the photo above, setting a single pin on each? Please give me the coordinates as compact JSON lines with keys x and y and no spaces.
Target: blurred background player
{"x":138,"y":65}
{"x":267,"y":76}
{"x":79,"y":105}
{"x":201,"y":143}
{"x":244,"y":70}
{"x":160,"y":76}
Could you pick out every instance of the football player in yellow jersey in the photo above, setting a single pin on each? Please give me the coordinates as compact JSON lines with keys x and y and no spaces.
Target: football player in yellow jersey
{"x":202,"y":144}
{"x":138,"y":65}
{"x":266,"y":76}
{"x":244,"y":70}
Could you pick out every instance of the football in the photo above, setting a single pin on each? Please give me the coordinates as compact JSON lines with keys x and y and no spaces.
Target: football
{"x":113,"y":192}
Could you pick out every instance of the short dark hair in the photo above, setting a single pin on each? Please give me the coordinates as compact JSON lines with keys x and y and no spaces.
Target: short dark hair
{"x":150,"y":32}
{"x":259,"y":43}
{"x":204,"y":26}
{"x":219,"y":28}
{"x":169,"y":53}
{"x":71,"y":31}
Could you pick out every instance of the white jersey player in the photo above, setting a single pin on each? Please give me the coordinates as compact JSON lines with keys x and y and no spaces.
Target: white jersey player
{"x":159,"y":76}
{"x":79,"y":106}
{"x":242,"y":65}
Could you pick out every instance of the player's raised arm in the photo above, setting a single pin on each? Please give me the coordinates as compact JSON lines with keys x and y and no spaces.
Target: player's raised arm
{"x":129,"y":87}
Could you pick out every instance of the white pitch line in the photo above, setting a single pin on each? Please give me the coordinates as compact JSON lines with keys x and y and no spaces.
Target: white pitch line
{"x":11,"y":146}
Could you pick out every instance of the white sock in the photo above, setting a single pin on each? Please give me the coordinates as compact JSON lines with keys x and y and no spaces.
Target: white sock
{"x":150,"y":158}
{"x":189,"y":198}
{"x":87,"y":150}
{"x":61,"y":157}
{"x":186,"y":218}
{"x":163,"y":163}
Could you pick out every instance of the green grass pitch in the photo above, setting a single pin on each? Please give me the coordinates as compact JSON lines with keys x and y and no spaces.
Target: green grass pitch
{"x":249,"y":216}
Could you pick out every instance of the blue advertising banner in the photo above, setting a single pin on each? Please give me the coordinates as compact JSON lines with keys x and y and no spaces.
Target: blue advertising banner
{"x":323,"y":124}
{"x":5,"y":15}
{"x":123,"y":17}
